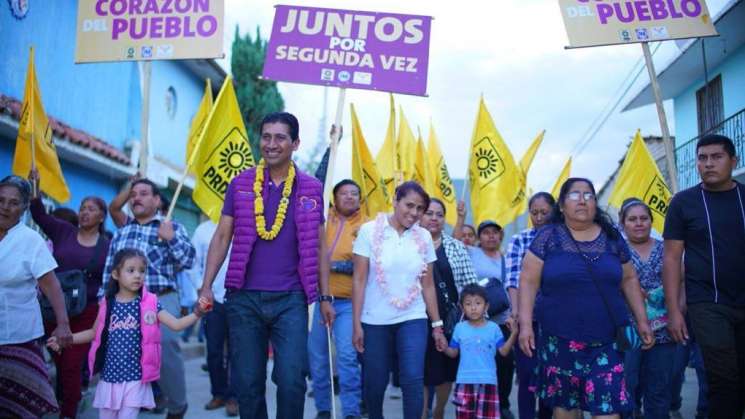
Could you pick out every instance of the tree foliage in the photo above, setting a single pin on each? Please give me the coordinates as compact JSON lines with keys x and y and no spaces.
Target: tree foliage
{"x":256,"y":96}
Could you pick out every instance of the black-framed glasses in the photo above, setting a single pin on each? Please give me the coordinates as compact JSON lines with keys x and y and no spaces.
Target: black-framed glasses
{"x":575,"y":196}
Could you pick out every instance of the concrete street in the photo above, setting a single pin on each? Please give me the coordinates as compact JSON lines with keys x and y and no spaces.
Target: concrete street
{"x":198,"y":385}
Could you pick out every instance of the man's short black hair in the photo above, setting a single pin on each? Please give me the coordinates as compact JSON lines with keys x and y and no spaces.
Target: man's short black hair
{"x":714,"y":139}
{"x":153,"y":186}
{"x":283,"y":118}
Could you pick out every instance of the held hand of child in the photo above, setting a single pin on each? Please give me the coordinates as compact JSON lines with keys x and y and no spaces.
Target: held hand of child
{"x":53,"y":344}
{"x":204,"y":305}
{"x":512,"y":324}
{"x":441,"y":343}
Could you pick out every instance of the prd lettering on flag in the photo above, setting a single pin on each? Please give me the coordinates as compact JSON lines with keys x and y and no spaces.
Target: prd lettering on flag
{"x":657,"y":196}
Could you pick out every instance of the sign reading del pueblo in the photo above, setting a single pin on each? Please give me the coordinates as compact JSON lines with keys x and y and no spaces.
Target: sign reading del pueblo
{"x":141,"y":30}
{"x":346,"y":48}
{"x":608,"y":22}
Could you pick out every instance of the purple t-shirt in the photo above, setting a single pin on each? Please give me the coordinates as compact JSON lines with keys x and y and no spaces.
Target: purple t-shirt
{"x":274,"y":264}
{"x":68,"y":252}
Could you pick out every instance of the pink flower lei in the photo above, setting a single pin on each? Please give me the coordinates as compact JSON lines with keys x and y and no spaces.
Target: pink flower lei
{"x":416,"y":288}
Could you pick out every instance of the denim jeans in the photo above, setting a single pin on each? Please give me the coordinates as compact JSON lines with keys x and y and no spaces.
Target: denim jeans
{"x":256,"y":318}
{"x":653,"y":368}
{"x":216,"y":332}
{"x":409,"y":341}
{"x":347,"y":365}
{"x":685,"y":355}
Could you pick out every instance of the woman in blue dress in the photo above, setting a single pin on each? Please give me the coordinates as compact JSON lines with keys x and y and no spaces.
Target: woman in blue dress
{"x":582,"y":266}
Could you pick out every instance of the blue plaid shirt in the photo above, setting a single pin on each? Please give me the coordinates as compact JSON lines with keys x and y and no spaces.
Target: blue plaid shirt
{"x":515,"y":254}
{"x":165,"y":258}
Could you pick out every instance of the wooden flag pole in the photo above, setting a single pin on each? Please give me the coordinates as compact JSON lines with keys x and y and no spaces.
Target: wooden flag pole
{"x":669,"y":148}
{"x":329,"y":183}
{"x":331,"y":371}
{"x":189,"y":163}
{"x":144,"y":152}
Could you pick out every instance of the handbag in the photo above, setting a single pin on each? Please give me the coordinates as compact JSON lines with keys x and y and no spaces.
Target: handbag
{"x":499,"y":301}
{"x":626,"y":338}
{"x":74,"y":288}
{"x":453,"y":313}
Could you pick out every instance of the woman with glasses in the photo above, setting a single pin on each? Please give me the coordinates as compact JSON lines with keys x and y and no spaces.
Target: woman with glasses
{"x":583,"y":268}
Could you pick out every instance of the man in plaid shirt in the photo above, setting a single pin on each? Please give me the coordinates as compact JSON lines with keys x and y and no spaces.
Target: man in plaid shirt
{"x":169,"y":251}
{"x":540,"y":206}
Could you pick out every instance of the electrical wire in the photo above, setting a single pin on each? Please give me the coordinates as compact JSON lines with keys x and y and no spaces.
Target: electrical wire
{"x":604,"y":115}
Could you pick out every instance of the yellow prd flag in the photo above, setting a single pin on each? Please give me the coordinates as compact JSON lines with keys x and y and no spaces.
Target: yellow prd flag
{"x":365,"y":173}
{"x":199,"y":120}
{"x":386,"y":159}
{"x":444,"y":189}
{"x":495,"y":179}
{"x":530,"y":153}
{"x":35,"y":143}
{"x":639,"y":177}
{"x":525,"y":164}
{"x":563,"y":176}
{"x":405,"y":148}
{"x":222,"y":153}
{"x":422,"y":169}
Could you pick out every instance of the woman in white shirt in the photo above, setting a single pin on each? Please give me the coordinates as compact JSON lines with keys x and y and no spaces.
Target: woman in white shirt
{"x":25,"y":390}
{"x":392,"y":293}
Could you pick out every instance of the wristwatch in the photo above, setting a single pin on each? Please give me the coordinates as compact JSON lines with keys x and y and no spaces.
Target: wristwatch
{"x":329,"y":298}
{"x":438,"y":323}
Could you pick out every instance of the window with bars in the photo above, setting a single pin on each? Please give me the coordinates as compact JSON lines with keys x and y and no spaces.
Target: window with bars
{"x":710,"y":105}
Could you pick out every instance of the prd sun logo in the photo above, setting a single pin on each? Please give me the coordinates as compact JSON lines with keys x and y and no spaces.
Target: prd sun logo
{"x":489,"y":163}
{"x":235,"y":158}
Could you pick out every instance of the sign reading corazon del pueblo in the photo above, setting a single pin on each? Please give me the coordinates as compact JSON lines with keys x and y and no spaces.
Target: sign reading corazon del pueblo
{"x":607,"y":22}
{"x":346,"y":48}
{"x":129,"y":30}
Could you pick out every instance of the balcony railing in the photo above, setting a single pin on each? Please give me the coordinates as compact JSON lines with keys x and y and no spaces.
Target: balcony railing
{"x":685,"y":155}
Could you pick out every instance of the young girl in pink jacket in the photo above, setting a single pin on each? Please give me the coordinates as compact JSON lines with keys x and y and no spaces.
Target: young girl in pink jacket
{"x":126,"y":339}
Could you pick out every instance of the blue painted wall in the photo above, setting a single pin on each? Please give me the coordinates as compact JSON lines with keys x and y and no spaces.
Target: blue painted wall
{"x":732,"y":71}
{"x":94,"y":97}
{"x":168,"y":133}
{"x":102,"y":99}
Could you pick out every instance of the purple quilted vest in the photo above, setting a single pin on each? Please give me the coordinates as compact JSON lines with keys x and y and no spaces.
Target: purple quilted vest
{"x":308,"y":214}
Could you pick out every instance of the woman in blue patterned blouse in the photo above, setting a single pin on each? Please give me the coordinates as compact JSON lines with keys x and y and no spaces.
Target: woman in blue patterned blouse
{"x":648,"y":373}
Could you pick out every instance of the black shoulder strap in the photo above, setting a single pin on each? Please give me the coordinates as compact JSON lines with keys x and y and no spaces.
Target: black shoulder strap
{"x":96,"y":253}
{"x":592,"y":276}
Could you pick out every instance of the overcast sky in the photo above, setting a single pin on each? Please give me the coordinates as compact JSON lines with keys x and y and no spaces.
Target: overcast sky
{"x":513,"y":52}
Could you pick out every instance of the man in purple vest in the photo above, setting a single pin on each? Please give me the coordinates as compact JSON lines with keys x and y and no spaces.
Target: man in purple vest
{"x":274,"y":216}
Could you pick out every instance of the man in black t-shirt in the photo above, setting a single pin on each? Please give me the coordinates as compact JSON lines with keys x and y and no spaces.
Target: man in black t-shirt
{"x":707,"y":223}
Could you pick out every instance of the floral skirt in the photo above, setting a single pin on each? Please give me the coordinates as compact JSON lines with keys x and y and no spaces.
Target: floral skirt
{"x":579,"y":375}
